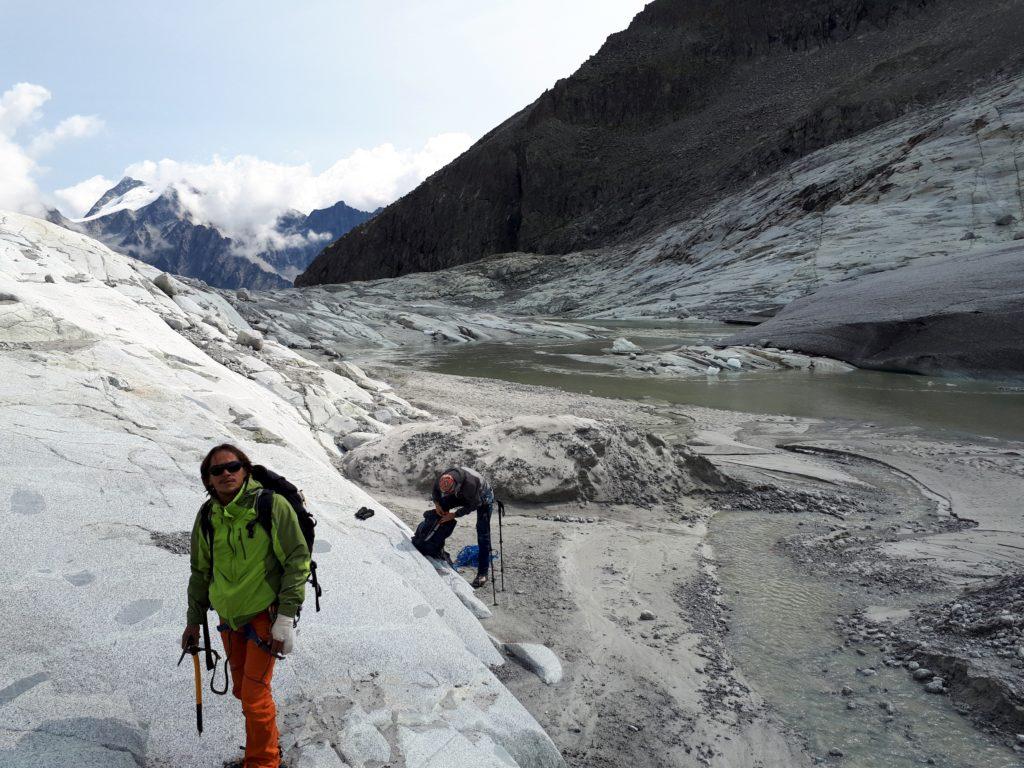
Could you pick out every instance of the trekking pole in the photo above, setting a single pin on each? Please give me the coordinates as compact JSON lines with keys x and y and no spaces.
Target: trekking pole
{"x":501,"y":544}
{"x":194,"y":651}
{"x":494,"y":588}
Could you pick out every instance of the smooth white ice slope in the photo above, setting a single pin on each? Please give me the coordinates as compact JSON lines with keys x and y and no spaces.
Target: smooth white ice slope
{"x":111,"y":391}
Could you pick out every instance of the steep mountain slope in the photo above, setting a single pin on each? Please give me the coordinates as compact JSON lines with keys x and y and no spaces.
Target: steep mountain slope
{"x":690,"y":103}
{"x":305,"y":236}
{"x":114,"y":381}
{"x":336,"y":220}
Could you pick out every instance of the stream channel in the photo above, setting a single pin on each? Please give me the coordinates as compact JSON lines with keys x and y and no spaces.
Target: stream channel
{"x":783,"y":619}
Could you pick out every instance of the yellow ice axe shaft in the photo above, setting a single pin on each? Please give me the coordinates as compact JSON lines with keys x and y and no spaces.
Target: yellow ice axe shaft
{"x":199,"y":692}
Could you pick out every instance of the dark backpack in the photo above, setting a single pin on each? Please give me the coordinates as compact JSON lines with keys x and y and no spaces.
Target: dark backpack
{"x":272,"y":483}
{"x":430,"y":535}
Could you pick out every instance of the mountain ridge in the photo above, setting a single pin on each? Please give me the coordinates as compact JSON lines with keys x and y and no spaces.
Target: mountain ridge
{"x":689,"y":103}
{"x":157,"y":228}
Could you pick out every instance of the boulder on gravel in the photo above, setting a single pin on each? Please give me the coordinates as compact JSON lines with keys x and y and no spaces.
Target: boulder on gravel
{"x":539,"y":659}
{"x":538,"y":459}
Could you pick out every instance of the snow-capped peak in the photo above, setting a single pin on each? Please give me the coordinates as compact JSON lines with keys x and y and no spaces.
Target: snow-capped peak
{"x":129,"y":194}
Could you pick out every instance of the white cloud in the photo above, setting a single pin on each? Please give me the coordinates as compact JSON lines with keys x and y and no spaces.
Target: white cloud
{"x":18,"y":191}
{"x":244,"y":195}
{"x":79,"y":198}
{"x":20,"y":105}
{"x":20,"y":108}
{"x":74,"y":127}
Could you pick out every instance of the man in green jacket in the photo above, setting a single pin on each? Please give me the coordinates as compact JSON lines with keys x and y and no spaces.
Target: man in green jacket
{"x":256,"y":581}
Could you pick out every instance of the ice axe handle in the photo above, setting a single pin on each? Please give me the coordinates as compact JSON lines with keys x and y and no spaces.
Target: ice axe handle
{"x":199,"y":692}
{"x":193,"y":650}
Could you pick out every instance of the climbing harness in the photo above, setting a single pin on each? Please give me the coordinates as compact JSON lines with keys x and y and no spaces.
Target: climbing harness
{"x":250,"y":634}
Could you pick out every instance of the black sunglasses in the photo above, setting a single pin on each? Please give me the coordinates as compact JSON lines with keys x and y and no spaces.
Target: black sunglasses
{"x":232,"y":466}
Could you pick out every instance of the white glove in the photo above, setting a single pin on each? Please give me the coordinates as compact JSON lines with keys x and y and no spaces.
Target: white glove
{"x":284,"y":632}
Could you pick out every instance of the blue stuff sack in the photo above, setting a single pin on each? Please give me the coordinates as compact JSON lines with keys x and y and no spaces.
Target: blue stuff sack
{"x":468,"y":556}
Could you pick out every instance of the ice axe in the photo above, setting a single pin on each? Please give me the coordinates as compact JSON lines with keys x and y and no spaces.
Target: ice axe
{"x":194,"y":651}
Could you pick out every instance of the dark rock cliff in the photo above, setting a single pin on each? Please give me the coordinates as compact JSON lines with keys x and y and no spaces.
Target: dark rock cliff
{"x":689,"y":103}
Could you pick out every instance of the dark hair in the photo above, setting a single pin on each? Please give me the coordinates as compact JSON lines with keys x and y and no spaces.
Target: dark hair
{"x":204,"y":468}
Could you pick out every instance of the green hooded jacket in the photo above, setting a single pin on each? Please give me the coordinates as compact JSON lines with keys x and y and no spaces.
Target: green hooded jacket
{"x":253,"y":569}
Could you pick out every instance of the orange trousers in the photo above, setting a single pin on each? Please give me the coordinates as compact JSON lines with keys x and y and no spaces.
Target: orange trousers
{"x":251,"y":670}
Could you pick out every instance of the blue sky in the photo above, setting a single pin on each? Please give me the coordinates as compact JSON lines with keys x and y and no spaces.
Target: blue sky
{"x":304,"y":83}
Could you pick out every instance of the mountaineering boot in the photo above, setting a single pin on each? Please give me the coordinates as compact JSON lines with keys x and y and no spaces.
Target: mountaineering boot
{"x":239,"y":762}
{"x":479,"y":581}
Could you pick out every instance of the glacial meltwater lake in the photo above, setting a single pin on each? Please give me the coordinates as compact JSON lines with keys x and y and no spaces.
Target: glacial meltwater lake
{"x":952,"y":405}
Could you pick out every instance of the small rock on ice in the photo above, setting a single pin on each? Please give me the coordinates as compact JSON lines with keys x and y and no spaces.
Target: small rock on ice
{"x":164,"y":283}
{"x":253,"y":340}
{"x":355,"y":439}
{"x":623,"y":346}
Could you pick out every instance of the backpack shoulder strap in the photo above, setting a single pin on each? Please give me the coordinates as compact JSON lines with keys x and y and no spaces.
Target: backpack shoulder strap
{"x":265,"y":509}
{"x":204,"y":516}
{"x":206,"y":527}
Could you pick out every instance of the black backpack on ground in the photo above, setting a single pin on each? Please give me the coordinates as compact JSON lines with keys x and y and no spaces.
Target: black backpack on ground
{"x":430,"y":535}
{"x":272,"y":483}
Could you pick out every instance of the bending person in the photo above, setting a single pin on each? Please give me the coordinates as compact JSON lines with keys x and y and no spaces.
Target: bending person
{"x":257,"y":589}
{"x":465,"y":491}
